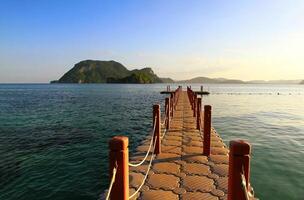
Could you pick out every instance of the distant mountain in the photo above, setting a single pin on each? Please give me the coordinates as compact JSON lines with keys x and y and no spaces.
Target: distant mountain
{"x":210,"y":80}
{"x":95,"y":71}
{"x":235,"y":81}
{"x":167,"y":80}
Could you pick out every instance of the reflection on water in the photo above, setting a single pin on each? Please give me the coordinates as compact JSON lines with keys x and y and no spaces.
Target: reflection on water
{"x":54,"y":137}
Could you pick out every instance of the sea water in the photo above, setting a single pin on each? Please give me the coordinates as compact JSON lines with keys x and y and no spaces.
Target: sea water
{"x":54,"y":137}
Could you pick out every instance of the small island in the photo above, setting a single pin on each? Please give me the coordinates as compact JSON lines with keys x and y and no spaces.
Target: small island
{"x":95,"y":71}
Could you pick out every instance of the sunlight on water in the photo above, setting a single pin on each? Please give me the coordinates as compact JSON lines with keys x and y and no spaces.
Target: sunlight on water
{"x":54,"y":137}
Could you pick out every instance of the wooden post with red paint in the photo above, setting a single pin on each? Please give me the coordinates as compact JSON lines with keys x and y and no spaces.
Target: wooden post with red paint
{"x":167,"y":114}
{"x":239,"y":163}
{"x":119,"y":158}
{"x":207,"y":130}
{"x":193,"y":99}
{"x":156,"y":135}
{"x":195,"y":105}
{"x":172,"y":104}
{"x":198,"y":113}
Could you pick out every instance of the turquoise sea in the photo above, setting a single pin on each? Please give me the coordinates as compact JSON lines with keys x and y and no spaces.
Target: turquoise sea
{"x":54,"y":138}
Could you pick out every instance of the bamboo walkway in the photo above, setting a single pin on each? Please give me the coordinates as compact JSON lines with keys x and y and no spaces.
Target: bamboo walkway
{"x":181,"y":171}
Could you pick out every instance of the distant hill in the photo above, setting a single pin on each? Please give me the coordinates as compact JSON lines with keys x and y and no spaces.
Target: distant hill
{"x":167,"y":80}
{"x":95,"y":71}
{"x":235,"y":81}
{"x":210,"y":80}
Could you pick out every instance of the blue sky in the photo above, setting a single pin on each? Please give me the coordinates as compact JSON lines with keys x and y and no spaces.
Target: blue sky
{"x":40,"y":40}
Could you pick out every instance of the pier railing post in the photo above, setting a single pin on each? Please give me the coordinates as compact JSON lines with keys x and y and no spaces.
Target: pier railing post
{"x":174,"y":100}
{"x":198,"y":113}
{"x":156,"y":135}
{"x":207,"y":129}
{"x":239,"y":163}
{"x":167,"y":114}
{"x":176,"y":97}
{"x":188,"y":91}
{"x":190,"y":97}
{"x":193,"y":101}
{"x":119,"y":158}
{"x":195,"y":105}
{"x":172,"y":104}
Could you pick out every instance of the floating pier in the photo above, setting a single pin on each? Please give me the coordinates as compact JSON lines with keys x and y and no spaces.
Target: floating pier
{"x":183,"y":158}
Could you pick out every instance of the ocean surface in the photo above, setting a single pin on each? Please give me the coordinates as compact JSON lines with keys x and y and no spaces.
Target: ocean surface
{"x":54,"y":138}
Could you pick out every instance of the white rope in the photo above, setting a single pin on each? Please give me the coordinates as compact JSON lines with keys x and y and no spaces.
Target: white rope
{"x":151,"y":159}
{"x":112,"y":182}
{"x":151,"y":142}
{"x":243,"y":184}
{"x":164,"y":134}
{"x":166,"y":117}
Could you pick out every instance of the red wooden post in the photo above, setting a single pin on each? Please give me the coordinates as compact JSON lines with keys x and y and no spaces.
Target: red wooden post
{"x":193,"y":100}
{"x":172,"y":104}
{"x":167,"y":114}
{"x":239,"y":163}
{"x":207,"y":129}
{"x":198,"y":113}
{"x":176,"y":98}
{"x":195,"y":105}
{"x":156,"y":135}
{"x":190,"y":96}
{"x":119,"y":158}
{"x":173,"y":99}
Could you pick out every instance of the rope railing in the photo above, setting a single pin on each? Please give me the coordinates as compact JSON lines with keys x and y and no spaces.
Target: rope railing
{"x":111,"y":183}
{"x":248,"y":194}
{"x":146,"y":175}
{"x":239,"y":155}
{"x":166,"y":117}
{"x":119,"y":153}
{"x":147,"y":154}
{"x":165,"y":131}
{"x":192,"y":98}
{"x":244,"y":187}
{"x":205,"y":124}
{"x":153,"y":139}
